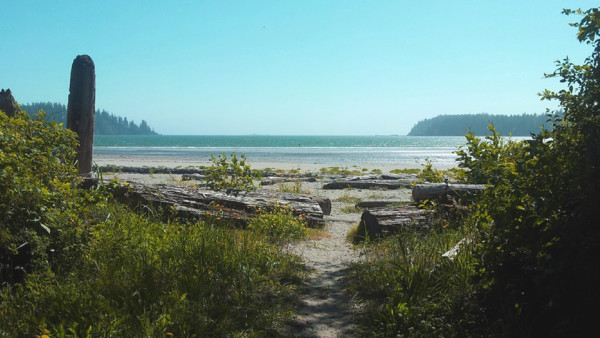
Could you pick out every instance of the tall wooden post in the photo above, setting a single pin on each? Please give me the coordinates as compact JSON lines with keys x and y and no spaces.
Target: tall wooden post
{"x":81,"y":109}
{"x":7,"y":103}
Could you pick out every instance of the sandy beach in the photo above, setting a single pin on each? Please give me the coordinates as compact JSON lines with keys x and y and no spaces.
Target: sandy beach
{"x":183,"y":162}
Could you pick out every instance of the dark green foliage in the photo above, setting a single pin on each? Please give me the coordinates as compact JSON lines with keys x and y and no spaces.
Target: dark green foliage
{"x":75,"y":263}
{"x":457,"y":125}
{"x":532,"y":267}
{"x":540,"y":266}
{"x":105,"y":123}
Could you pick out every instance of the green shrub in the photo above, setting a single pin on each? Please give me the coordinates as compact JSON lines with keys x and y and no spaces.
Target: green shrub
{"x":540,"y":267}
{"x":39,"y":199}
{"x":429,"y":174}
{"x":279,"y":225}
{"x":229,"y":173}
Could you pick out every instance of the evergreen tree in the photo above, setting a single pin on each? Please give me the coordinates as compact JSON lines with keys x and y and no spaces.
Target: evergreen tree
{"x":105,"y":123}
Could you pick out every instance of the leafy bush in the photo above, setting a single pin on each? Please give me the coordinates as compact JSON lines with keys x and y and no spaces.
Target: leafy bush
{"x":229,"y":174}
{"x":540,"y":240}
{"x":39,"y":198}
{"x":533,"y":266}
{"x":278,"y":225}
{"x":428,"y":174}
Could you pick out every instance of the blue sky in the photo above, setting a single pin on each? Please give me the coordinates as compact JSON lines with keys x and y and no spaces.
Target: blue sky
{"x":291,"y":67}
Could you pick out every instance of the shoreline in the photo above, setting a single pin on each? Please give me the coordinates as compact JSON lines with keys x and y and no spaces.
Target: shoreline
{"x":185,"y":162}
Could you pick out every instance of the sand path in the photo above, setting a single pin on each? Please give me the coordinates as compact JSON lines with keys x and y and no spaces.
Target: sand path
{"x":326,"y":309}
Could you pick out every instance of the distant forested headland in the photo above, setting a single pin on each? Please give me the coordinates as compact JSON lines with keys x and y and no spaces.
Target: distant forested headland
{"x":457,"y":125}
{"x":105,"y":123}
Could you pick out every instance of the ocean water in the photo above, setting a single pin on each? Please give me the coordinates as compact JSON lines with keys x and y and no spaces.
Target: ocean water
{"x":401,"y":151}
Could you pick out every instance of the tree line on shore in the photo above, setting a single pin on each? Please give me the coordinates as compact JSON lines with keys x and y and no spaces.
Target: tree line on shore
{"x":105,"y":122}
{"x":458,"y":125}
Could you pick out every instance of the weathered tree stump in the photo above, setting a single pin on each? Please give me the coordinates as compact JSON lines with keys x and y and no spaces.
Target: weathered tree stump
{"x":81,"y":109}
{"x":7,"y":103}
{"x":436,"y":191}
{"x":380,"y":222}
{"x":236,"y":206}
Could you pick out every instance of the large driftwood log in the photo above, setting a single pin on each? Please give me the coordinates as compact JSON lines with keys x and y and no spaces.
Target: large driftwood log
{"x":374,"y":181}
{"x":379,"y":222}
{"x":234,"y":205}
{"x":80,"y":110}
{"x":7,"y":103}
{"x":151,"y":170}
{"x":276,"y":180}
{"x":369,"y":184}
{"x":430,"y":191}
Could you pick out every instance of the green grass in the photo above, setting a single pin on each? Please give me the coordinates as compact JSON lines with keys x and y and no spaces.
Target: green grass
{"x":295,"y":188}
{"x":405,"y":171}
{"x":351,"y":209}
{"x":408,"y":289}
{"x":340,"y":171}
{"x":347,"y":198}
{"x":135,"y":276}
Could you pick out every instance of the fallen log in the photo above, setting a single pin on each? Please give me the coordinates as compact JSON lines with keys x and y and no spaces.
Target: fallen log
{"x":236,"y":206}
{"x":275,"y":180}
{"x":410,"y":177}
{"x":380,"y":222}
{"x":431,"y":191}
{"x":151,"y":170}
{"x":370,"y":184}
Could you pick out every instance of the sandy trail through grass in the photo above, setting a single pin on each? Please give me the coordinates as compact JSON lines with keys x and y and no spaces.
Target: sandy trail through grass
{"x":326,"y":309}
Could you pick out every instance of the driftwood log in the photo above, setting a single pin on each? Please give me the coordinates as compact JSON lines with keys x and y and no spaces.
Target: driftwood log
{"x":380,"y":222}
{"x":276,"y":180}
{"x":431,"y":191}
{"x":150,"y":170}
{"x":81,"y":109}
{"x":236,"y":206}
{"x":7,"y":103}
{"x":374,"y":181}
{"x":369,"y":184}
